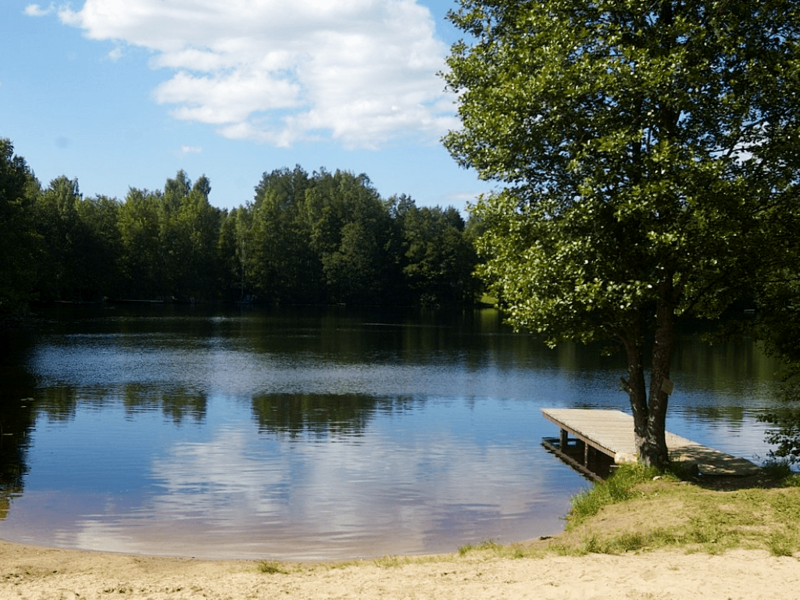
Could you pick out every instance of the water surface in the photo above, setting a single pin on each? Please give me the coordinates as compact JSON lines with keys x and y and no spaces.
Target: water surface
{"x":316,"y":433}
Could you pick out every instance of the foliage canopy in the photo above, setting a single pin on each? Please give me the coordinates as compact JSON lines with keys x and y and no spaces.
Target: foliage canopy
{"x":17,"y":235}
{"x":306,"y":238}
{"x":650,"y":153}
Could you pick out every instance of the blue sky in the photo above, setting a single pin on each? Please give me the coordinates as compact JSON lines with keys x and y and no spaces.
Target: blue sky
{"x":124,"y":93}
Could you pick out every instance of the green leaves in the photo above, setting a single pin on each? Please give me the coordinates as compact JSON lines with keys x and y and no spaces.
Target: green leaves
{"x":633,"y":140}
{"x":329,"y":237}
{"x":320,"y":238}
{"x":646,"y":149}
{"x":18,"y":239}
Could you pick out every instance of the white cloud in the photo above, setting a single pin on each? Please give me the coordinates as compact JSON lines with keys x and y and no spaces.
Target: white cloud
{"x":116,"y":54}
{"x":190,"y":150}
{"x":34,"y":10}
{"x":362,"y":72}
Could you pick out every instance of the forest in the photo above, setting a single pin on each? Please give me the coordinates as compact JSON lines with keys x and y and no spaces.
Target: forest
{"x":318,"y":238}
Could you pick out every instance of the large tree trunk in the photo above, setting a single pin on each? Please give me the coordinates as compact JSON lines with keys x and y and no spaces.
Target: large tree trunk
{"x":649,"y":414}
{"x":633,"y":341}
{"x":653,"y":449}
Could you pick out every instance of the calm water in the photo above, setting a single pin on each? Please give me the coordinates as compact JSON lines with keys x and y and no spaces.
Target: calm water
{"x":315,"y":434}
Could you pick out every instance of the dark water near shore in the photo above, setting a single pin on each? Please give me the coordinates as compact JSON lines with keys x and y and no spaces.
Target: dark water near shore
{"x":317,"y":433}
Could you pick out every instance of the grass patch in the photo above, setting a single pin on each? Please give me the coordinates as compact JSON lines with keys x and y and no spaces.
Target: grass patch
{"x":393,"y":562}
{"x":633,"y":512}
{"x":491,"y":549}
{"x":621,"y":486}
{"x":490,"y":545}
{"x":272,"y":567}
{"x":782,"y":543}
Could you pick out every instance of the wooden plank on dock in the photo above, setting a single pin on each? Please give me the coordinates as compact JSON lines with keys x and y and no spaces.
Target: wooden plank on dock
{"x":611,"y":432}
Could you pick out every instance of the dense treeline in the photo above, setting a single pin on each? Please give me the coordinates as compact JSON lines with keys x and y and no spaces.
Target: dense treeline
{"x":305,"y":238}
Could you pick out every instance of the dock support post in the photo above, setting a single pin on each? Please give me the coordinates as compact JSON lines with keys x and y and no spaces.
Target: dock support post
{"x":562,"y":440}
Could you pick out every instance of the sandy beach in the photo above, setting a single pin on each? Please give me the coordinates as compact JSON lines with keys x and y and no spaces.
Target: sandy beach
{"x":51,"y":574}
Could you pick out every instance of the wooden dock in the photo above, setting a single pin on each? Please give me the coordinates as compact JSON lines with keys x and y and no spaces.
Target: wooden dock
{"x":610,"y":432}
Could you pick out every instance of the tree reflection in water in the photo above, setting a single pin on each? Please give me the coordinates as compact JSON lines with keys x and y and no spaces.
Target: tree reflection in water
{"x":323,"y":415}
{"x":17,"y":417}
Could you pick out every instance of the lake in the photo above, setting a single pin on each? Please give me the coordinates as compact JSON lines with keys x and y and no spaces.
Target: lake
{"x":315,"y":434}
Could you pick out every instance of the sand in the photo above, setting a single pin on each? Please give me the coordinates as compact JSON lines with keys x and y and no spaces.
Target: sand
{"x":43,"y":573}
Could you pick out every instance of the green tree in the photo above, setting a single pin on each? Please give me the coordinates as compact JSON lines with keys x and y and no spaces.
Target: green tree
{"x":230,"y":273}
{"x":319,"y":238}
{"x":141,"y":264}
{"x":350,"y":231}
{"x":18,"y":239}
{"x":242,"y":229}
{"x":170,"y":241}
{"x":61,"y":273}
{"x":80,"y":243}
{"x":649,"y":151}
{"x":198,"y":223}
{"x":173,"y":235}
{"x":439,"y":259}
{"x":102,"y":247}
{"x":279,"y":261}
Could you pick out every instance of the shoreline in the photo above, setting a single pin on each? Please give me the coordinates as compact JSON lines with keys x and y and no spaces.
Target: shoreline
{"x":36,"y":572}
{"x":665,"y":542}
